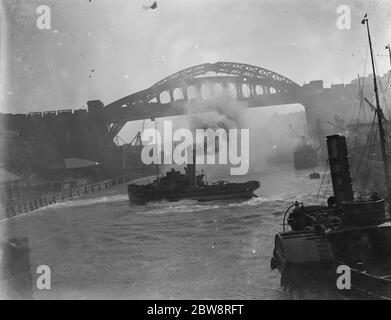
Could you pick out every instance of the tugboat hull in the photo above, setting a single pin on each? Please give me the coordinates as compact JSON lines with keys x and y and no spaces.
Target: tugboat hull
{"x":143,"y":194}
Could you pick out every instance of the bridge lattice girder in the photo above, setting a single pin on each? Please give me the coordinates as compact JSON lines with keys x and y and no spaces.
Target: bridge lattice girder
{"x":120,"y":111}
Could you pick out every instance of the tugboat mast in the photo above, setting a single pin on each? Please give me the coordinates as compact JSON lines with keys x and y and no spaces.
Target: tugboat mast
{"x":157,"y":154}
{"x":379,"y":113}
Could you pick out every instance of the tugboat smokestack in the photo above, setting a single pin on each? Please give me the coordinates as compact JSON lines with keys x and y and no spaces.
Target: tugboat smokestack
{"x":191,"y":170}
{"x":340,"y":168}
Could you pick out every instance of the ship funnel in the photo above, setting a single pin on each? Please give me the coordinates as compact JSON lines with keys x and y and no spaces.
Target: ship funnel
{"x":191,"y":170}
{"x":339,"y":168}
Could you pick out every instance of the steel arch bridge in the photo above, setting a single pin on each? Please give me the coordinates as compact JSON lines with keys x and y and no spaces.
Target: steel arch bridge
{"x":253,"y":85}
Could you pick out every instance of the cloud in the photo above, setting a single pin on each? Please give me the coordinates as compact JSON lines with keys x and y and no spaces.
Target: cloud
{"x":148,"y":46}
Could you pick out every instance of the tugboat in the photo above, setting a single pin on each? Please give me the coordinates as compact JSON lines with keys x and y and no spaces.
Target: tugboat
{"x":348,"y":232}
{"x":314,"y":175}
{"x":175,"y":186}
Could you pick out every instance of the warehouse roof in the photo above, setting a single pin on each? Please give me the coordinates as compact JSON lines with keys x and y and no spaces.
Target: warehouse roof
{"x":73,"y":163}
{"x":7,"y":176}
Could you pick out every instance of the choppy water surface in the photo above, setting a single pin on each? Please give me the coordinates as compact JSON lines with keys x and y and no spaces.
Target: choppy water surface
{"x":104,"y":247}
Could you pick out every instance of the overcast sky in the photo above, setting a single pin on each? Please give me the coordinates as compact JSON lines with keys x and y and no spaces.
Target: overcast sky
{"x":130,"y":48}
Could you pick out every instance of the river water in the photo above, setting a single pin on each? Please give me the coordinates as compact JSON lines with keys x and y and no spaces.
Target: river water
{"x":104,"y":247}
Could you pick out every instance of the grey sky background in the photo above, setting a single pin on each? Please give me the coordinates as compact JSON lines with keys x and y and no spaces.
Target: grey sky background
{"x":130,"y":49}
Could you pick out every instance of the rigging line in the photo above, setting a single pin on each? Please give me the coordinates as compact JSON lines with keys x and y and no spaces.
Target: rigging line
{"x":367,"y":175}
{"x":361,"y":92}
{"x":361,"y":103}
{"x":326,"y":189}
{"x":385,"y":94}
{"x":360,"y":96}
{"x":387,"y":85}
{"x":386,"y":128}
{"x":385,"y":107}
{"x":370,"y":158}
{"x":320,"y":187}
{"x":372,"y":142}
{"x":321,"y":184}
{"x":366,"y":60}
{"x":364,"y":149}
{"x":364,"y":181}
{"x":363,"y":110}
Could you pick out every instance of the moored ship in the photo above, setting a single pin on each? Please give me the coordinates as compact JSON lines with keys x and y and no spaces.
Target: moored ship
{"x":305,"y":155}
{"x":347,"y":232}
{"x":350,"y":233}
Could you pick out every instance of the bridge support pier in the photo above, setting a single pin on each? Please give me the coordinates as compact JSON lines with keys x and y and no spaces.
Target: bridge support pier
{"x":252,"y":90}
{"x":171,"y":93}
{"x":184,"y":93}
{"x":212,"y":90}
{"x":315,"y":130}
{"x":198,"y":91}
{"x":239,"y":92}
{"x":225,"y":88}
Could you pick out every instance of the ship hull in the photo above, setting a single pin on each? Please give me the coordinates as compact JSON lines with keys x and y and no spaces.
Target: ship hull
{"x":317,"y":265}
{"x":305,"y":161}
{"x":246,"y":190}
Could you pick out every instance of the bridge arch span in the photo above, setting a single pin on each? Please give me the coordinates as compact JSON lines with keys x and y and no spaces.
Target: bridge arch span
{"x":255,"y":85}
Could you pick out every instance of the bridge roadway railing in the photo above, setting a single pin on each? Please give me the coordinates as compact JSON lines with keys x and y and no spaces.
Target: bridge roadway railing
{"x":24,"y":206}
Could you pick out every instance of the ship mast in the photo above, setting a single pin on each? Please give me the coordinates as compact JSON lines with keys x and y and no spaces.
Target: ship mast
{"x":388,"y":47}
{"x":379,"y":114}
